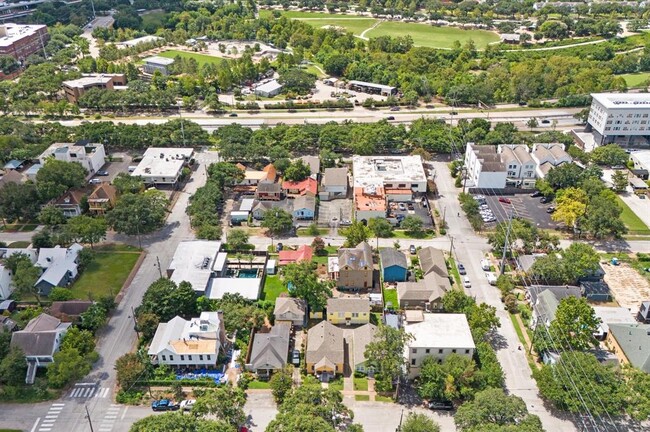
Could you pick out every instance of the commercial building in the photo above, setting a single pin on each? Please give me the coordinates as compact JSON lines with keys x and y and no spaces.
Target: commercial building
{"x":437,"y":336}
{"x":621,"y":118}
{"x":157,"y":63}
{"x":195,"y":261}
{"x":20,"y":41}
{"x":91,"y":156}
{"x":372,"y":88}
{"x":133,"y":42}
{"x":74,"y":89}
{"x":269,"y":89}
{"x":163,"y":166}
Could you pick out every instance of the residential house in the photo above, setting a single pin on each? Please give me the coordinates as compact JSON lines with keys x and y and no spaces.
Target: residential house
{"x":334,"y":184}
{"x":12,"y":176}
{"x":432,"y":260}
{"x":426,"y":294}
{"x":189,"y":343}
{"x":359,"y":338}
{"x":611,"y":315}
{"x":394,"y":265}
{"x":32,"y":171}
{"x":520,"y":166}
{"x":7,"y":306}
{"x":546,"y":299}
{"x":437,"y":336}
{"x":13,"y":165}
{"x":325,"y":353}
{"x":270,"y":350}
{"x":549,"y":156}
{"x":303,"y":253}
{"x":348,"y":310}
{"x":355,"y":267}
{"x":314,"y":164}
{"x":6,"y":282}
{"x":268,"y":191}
{"x":643,"y":316}
{"x":102,"y":199}
{"x":304,"y":208}
{"x":260,"y":208}
{"x":7,"y":324}
{"x":291,"y":310}
{"x":69,"y":311}
{"x":308,"y":187}
{"x":196,"y":262}
{"x":254,"y":177}
{"x":631,"y":344}
{"x":525,"y":262}
{"x":59,"y":267}
{"x":91,"y":156}
{"x":70,"y":202}
{"x":39,"y":340}
{"x":596,"y":291}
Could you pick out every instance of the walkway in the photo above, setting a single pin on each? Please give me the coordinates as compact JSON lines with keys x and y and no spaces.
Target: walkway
{"x":348,"y":389}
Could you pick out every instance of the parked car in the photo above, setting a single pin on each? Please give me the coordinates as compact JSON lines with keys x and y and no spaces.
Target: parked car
{"x":102,"y":173}
{"x":618,"y":167}
{"x":164,"y":405}
{"x":95,"y":181}
{"x":466,"y":282}
{"x":545,"y":200}
{"x":441,"y":405}
{"x":491,"y":277}
{"x":453,"y":113}
{"x":412,"y":250}
{"x":545,"y":121}
{"x":485,"y":264}
{"x":461,"y":269}
{"x":536,"y":194}
{"x":390,"y":118}
{"x":232,"y":115}
{"x":505,"y":200}
{"x":402,"y":206}
{"x":551,"y":209}
{"x":394,"y":108}
{"x":278,"y":247}
{"x":410,"y":206}
{"x":295,"y":357}
{"x":187,"y":404}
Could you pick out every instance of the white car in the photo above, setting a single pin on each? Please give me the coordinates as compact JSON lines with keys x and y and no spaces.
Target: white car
{"x":485,"y":264}
{"x":187,"y":404}
{"x":491,"y":277}
{"x":466,"y":282}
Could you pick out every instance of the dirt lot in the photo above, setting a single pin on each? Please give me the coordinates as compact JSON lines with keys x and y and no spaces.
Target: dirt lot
{"x":628,"y":287}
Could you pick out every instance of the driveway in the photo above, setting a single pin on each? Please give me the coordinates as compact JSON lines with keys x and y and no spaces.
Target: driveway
{"x":260,"y":409}
{"x":385,"y":416}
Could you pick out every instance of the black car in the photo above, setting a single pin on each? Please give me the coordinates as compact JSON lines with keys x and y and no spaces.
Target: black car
{"x":545,"y":200}
{"x":461,"y":269}
{"x":232,"y":115}
{"x":536,"y":194}
{"x":551,"y":209}
{"x":441,"y":405}
{"x":390,"y":118}
{"x":545,"y":121}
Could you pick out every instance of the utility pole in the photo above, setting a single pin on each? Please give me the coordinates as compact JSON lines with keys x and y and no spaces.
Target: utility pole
{"x":444,"y":215}
{"x":505,"y":244}
{"x":182,"y":129}
{"x":136,"y":322}
{"x":90,"y":423}
{"x":159,"y":267}
{"x":92,"y":5}
{"x":452,"y":245}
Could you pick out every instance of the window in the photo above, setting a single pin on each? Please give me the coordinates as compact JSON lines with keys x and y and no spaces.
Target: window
{"x":414,"y":350}
{"x":171,"y":358}
{"x":182,"y":357}
{"x":412,"y":362}
{"x":163,"y":358}
{"x":440,"y":351}
{"x":355,"y":315}
{"x":466,"y":351}
{"x":401,"y":185}
{"x":208,"y":356}
{"x":189,"y":357}
{"x":427,"y":350}
{"x":414,"y":185}
{"x":201,"y":357}
{"x":454,"y":350}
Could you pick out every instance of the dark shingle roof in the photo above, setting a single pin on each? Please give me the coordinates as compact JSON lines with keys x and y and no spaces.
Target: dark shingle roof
{"x":392,"y":257}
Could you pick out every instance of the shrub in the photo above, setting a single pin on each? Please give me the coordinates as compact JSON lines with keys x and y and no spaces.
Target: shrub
{"x":129,"y":397}
{"x":60,"y":294}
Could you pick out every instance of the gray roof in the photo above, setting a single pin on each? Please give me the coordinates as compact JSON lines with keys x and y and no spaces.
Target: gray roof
{"x":39,"y":336}
{"x":362,"y":337}
{"x":270,"y":350}
{"x":595,"y":287}
{"x":429,"y":289}
{"x":433,"y":260}
{"x":268,"y":187}
{"x":526,"y":261}
{"x":348,"y":304}
{"x":547,"y":306}
{"x":634,"y":340}
{"x":7,"y":324}
{"x":644,"y":309}
{"x":335,"y":177}
{"x":356,"y":258}
{"x":284,"y":305}
{"x":304,"y":202}
{"x":392,"y":257}
{"x":325,"y":342}
{"x":62,"y":261}
{"x":313,"y":162}
{"x":560,"y":291}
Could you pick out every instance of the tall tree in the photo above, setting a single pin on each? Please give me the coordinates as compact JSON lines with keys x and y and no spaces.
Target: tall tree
{"x":87,"y":229}
{"x":619,"y":181}
{"x":125,"y":183}
{"x":380,"y":227}
{"x":492,"y":409}
{"x":25,"y":278}
{"x":453,"y":379}
{"x":55,"y":177}
{"x":571,"y":206}
{"x":173,"y":422}
{"x":138,"y":214}
{"x":413,"y":225}
{"x":574,"y":325}
{"x":238,"y":239}
{"x":129,"y":368}
{"x":226,"y":403}
{"x":13,"y":367}
{"x":354,"y":234}
{"x":19,"y":201}
{"x":277,"y":221}
{"x":51,"y":216}
{"x":297,"y":171}
{"x":281,"y":382}
{"x":386,"y":354}
{"x":302,"y":281}
{"x":415,"y":422}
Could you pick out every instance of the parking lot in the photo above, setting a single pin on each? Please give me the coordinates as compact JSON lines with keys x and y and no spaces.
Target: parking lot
{"x":420,"y":209}
{"x":332,"y":213}
{"x":524,"y":207}
{"x":121,"y":162}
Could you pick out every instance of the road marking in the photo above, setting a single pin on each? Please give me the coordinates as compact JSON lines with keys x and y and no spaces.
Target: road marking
{"x":74,"y":392}
{"x":35,"y":424}
{"x":85,"y":384}
{"x":124,"y":413}
{"x":58,"y":405}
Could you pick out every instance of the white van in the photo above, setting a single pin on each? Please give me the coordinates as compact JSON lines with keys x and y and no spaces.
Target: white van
{"x":485,"y":264}
{"x":491,"y":277}
{"x":466,"y":282}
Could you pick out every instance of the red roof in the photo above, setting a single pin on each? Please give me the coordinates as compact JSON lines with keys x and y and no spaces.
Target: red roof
{"x":303,"y":253}
{"x":307,"y":185}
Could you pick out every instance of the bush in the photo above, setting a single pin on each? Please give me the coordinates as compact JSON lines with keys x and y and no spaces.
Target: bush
{"x":130,"y":397}
{"x":60,"y":294}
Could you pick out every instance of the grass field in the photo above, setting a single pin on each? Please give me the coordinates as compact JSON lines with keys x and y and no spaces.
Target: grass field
{"x":105,"y":275}
{"x":636,"y":79}
{"x":433,"y":37}
{"x":201,"y":59}
{"x":273,"y":287}
{"x":633,"y":223}
{"x":390,"y":295}
{"x":356,"y":26}
{"x":259,"y":385}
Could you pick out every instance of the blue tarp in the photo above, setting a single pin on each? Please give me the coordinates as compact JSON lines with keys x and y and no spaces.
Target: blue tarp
{"x":201,"y":373}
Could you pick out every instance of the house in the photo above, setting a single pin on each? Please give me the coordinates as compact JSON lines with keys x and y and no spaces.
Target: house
{"x":355,"y":267}
{"x":31,"y":172}
{"x":59,"y":267}
{"x":630,"y":343}
{"x":525,"y":262}
{"x":596,"y":291}
{"x":359,"y":338}
{"x":437,"y":336}
{"x":254,"y":177}
{"x":193,"y":343}
{"x":643,"y":316}
{"x":270,"y":350}
{"x":520,"y":166}
{"x":102,"y":199}
{"x":308,"y":187}
{"x":70,"y":202}
{"x":314,"y":164}
{"x":7,"y":306}
{"x":325,"y":353}
{"x":394,"y":265}
{"x":545,"y":301}
{"x":426,"y":294}
{"x":432,"y":260}
{"x":348,"y":310}
{"x":269,"y":89}
{"x":12,"y":176}
{"x":39,"y":340}
{"x":549,"y":156}
{"x":69,"y":311}
{"x":91,"y":156}
{"x":290,"y":309}
{"x":611,"y":315}
{"x":157,"y":63}
{"x":304,"y":208}
{"x":6,"y":283}
{"x":268,"y":191}
{"x":334,"y":184}
{"x":303,"y":253}
{"x":260,"y":208}
{"x":163,"y":165}
{"x":13,"y":165}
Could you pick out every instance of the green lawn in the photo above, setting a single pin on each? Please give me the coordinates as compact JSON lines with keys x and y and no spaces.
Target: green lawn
{"x":455,"y":274}
{"x":401,"y":234}
{"x":105,"y":275}
{"x":636,"y":79}
{"x":201,"y":59}
{"x":631,"y":220}
{"x":390,"y":295}
{"x":336,"y":384}
{"x":361,"y":397}
{"x":259,"y":385}
{"x":273,"y":287}
{"x":361,"y":384}
{"x":433,"y":37}
{"x":304,"y":232}
{"x":19,"y":244}
{"x":380,"y":398}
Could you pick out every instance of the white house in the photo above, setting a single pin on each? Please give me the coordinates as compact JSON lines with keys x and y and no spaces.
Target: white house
{"x":59,"y":265}
{"x":6,"y":277}
{"x":195,"y":261}
{"x":484,"y":169}
{"x":438,"y":336}
{"x":194,"y":343}
{"x":91,"y":156}
{"x":622,"y":118}
{"x":549,"y":156}
{"x":163,"y":165}
{"x":520,"y":166}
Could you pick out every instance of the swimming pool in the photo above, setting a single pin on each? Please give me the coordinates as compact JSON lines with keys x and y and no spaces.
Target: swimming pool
{"x":247,"y":273}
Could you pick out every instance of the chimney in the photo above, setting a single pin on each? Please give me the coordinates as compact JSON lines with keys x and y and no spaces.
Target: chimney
{"x":3,"y":30}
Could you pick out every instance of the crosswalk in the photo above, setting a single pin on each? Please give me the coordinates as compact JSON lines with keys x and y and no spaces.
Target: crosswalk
{"x":88,"y":390}
{"x":109,"y":418}
{"x":50,"y":418}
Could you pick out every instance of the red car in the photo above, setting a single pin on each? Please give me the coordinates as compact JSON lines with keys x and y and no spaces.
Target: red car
{"x":505,"y":200}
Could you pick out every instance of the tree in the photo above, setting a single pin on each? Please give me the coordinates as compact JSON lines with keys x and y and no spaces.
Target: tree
{"x":296,"y":80}
{"x":13,"y":367}
{"x":302,"y":281}
{"x":415,"y":422}
{"x":19,"y":202}
{"x":60,"y":294}
{"x":56,"y":177}
{"x":238,"y":239}
{"x":125,"y":183}
{"x":147,"y":324}
{"x":138,"y":214}
{"x":14,"y":260}
{"x":318,"y":244}
{"x":81,"y":340}
{"x":297,"y":171}
{"x":226,"y":403}
{"x":524,"y":238}
{"x":564,"y":176}
{"x":610,"y":155}
{"x":554,"y":29}
{"x":380,"y":227}
{"x":354,"y":234}
{"x":574,"y":325}
{"x":69,"y":365}
{"x":277,"y":221}
{"x":532,"y":123}
{"x":619,"y":181}
{"x":578,"y":260}
{"x":602,"y":382}
{"x":603,"y":218}
{"x":166,"y":300}
{"x":638,"y":384}
{"x":492,"y":409}
{"x":25,"y":278}
{"x":571,"y":204}
{"x":386,"y":354}
{"x":129,"y":369}
{"x":413,"y":225}
{"x":481,"y":318}
{"x":51,"y":216}
{"x":87,"y":229}
{"x":281,"y":382}
{"x":94,"y":318}
{"x":173,"y":422}
{"x":42,"y":239}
